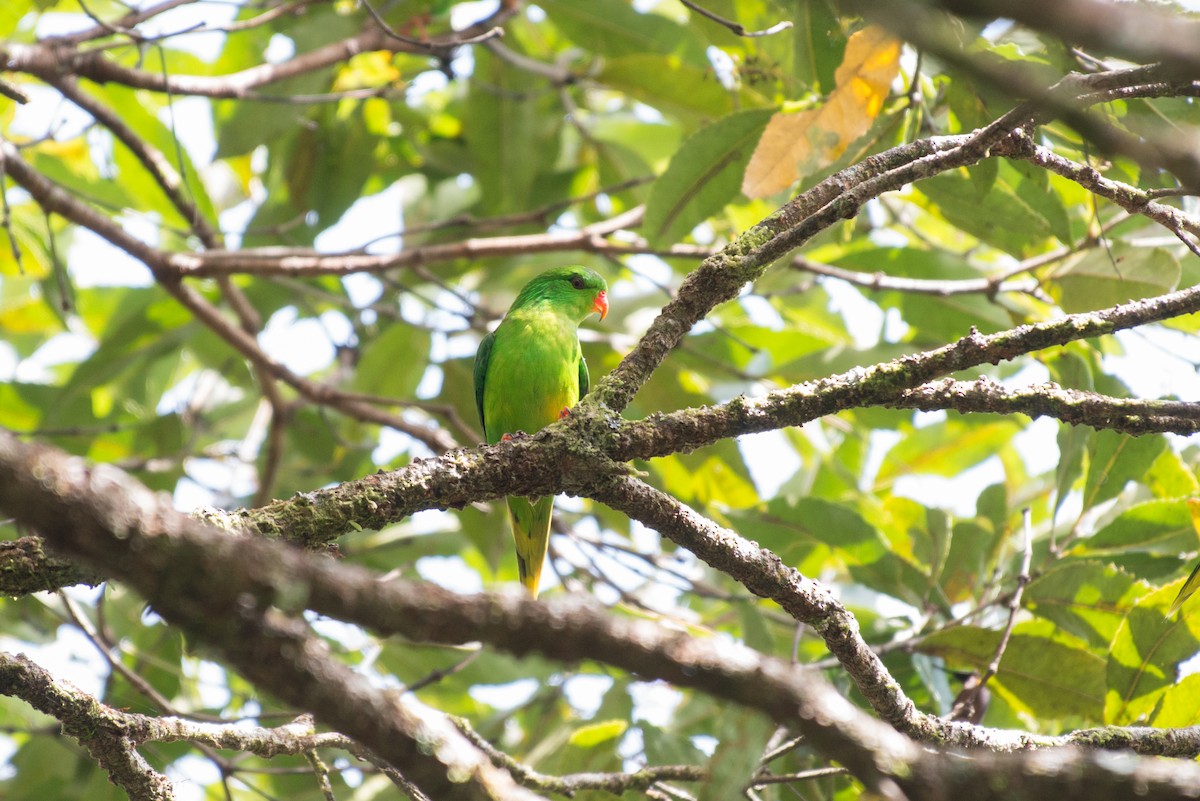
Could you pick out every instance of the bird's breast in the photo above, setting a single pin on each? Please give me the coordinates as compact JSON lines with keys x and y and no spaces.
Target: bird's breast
{"x":532,"y":375}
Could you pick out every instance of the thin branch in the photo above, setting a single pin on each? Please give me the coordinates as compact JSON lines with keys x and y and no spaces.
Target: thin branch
{"x":98,"y":728}
{"x":932,"y":30}
{"x":305,"y":262}
{"x":11,"y":91}
{"x":880,"y":282}
{"x":969,"y":705}
{"x":125,"y":23}
{"x":802,"y":776}
{"x":1136,"y":201}
{"x":1145,"y":33}
{"x":46,"y":60}
{"x":737,"y":28}
{"x":615,"y":783}
{"x":555,"y":73}
{"x":1076,"y":407}
{"x":425,"y":44}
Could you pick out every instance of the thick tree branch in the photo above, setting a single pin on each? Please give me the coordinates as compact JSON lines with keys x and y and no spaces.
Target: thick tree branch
{"x":98,"y":728}
{"x":883,"y":384}
{"x":574,"y":455}
{"x":720,"y":277}
{"x":103,"y":506}
{"x":111,"y":521}
{"x":26,"y":567}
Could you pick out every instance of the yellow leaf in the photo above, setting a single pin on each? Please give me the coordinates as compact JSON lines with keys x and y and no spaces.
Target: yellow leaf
{"x":365,"y":70}
{"x":73,"y":152}
{"x":799,"y":143}
{"x":29,"y":315}
{"x":593,"y":734}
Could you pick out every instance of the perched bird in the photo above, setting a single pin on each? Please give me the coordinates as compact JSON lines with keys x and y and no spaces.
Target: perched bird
{"x":529,"y":372}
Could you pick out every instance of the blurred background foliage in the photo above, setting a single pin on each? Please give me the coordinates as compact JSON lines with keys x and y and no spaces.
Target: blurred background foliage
{"x":583,"y":111}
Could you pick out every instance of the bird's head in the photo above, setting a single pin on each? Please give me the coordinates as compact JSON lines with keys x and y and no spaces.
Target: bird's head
{"x":575,"y":291}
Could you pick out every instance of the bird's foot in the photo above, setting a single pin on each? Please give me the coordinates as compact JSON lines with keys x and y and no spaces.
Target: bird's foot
{"x":566,"y":411}
{"x":505,"y":437}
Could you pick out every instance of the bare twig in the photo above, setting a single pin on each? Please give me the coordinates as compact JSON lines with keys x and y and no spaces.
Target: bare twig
{"x":442,"y":46}
{"x":615,"y":783}
{"x":11,"y":91}
{"x":969,"y":699}
{"x":1077,"y":407}
{"x":737,"y":28}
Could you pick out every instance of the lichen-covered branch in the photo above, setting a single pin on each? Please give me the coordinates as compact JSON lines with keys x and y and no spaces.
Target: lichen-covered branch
{"x":26,"y":567}
{"x":1077,"y":407}
{"x":98,"y":728}
{"x":721,"y":276}
{"x":113,"y":523}
{"x":883,"y":384}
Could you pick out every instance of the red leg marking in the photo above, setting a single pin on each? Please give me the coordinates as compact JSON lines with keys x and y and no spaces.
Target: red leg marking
{"x":566,"y":410}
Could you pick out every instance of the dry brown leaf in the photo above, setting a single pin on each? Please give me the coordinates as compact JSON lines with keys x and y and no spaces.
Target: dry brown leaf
{"x":799,"y":143}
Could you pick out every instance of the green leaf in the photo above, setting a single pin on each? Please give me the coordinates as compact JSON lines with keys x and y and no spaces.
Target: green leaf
{"x":45,"y":768}
{"x":1114,"y":459}
{"x":1003,"y":217}
{"x":1159,"y":526}
{"x":790,"y":527}
{"x":666,"y":747}
{"x":1169,"y":477}
{"x":1145,"y":655}
{"x":1103,"y":277}
{"x":510,"y":135}
{"x":1088,"y":599}
{"x":704,"y":175}
{"x":1072,"y":371}
{"x":613,"y":28}
{"x":946,"y":448}
{"x":817,"y":45}
{"x":667,"y":83}
{"x":973,"y":553}
{"x":1179,"y":705}
{"x":1039,"y":675}
{"x":707,"y":477}
{"x":393,"y":363}
{"x":743,"y":737}
{"x":142,"y":191}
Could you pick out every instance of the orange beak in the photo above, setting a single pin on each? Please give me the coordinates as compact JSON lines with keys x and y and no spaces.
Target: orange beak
{"x":600,"y":304}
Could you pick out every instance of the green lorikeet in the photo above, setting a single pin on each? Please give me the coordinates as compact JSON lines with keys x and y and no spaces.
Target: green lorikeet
{"x":528,"y":373}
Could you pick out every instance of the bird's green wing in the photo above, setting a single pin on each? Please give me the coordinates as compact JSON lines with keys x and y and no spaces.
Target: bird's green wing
{"x":482,"y":357}
{"x":583,"y":377}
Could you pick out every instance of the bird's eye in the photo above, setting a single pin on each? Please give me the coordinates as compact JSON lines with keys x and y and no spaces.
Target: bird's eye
{"x":577,"y":281}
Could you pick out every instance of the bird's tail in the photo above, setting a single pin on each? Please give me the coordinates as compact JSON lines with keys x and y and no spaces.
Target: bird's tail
{"x":531,"y":532}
